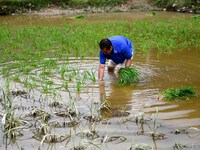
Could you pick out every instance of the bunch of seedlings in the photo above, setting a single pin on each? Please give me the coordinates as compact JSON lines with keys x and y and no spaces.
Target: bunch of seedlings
{"x":178,"y":93}
{"x":128,"y":75}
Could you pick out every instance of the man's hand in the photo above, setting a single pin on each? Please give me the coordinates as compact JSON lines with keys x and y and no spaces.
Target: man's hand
{"x":128,"y":63}
{"x":101,"y":72}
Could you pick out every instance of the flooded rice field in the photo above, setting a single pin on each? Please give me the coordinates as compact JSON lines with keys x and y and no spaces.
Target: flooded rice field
{"x":87,"y":114}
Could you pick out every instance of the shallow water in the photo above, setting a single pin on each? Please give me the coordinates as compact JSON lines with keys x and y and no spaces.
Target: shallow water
{"x":56,"y":20}
{"x":159,"y":72}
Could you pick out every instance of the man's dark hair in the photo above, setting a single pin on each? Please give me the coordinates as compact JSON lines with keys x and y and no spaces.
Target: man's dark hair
{"x":105,"y":43}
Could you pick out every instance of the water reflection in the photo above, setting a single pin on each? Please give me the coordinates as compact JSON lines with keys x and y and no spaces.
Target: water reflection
{"x":116,"y":101}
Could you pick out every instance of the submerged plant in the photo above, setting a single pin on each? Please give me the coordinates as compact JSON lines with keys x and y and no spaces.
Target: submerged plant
{"x":141,"y":146}
{"x":128,"y":75}
{"x":11,"y":123}
{"x":177,"y":93}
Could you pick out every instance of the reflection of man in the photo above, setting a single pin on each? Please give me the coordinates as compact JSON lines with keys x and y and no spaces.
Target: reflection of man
{"x":118,"y":49}
{"x":115,"y":105}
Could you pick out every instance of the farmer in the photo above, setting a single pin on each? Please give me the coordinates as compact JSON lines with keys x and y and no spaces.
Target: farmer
{"x":118,"y":49}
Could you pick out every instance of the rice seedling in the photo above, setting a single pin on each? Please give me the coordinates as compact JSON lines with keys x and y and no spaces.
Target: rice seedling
{"x":128,"y":75}
{"x":90,"y":75}
{"x":16,"y":78}
{"x":44,"y":74}
{"x":178,"y":146}
{"x":63,"y":69}
{"x":79,"y":84}
{"x":5,"y":72}
{"x":25,"y":69}
{"x":65,"y":85}
{"x":7,"y":85}
{"x":178,"y":93}
{"x":29,"y":83}
{"x":47,"y":86}
{"x":11,"y":123}
{"x":73,"y":108}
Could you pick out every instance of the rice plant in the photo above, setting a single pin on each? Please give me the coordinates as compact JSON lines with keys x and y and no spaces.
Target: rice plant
{"x":178,"y":93}
{"x":11,"y":123}
{"x":128,"y":75}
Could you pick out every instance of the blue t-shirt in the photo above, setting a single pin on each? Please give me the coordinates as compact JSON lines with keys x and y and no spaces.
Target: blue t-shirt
{"x":122,"y":49}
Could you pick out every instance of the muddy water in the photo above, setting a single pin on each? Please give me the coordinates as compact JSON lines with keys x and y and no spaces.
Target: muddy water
{"x":56,"y":20}
{"x":126,"y":103}
{"x":159,"y":72}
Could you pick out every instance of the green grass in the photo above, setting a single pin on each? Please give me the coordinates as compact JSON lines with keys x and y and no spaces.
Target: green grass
{"x":179,"y":93}
{"x":128,"y":75}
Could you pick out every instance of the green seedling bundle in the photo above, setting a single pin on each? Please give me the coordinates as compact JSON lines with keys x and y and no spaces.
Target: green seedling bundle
{"x":128,"y":75}
{"x":179,"y":93}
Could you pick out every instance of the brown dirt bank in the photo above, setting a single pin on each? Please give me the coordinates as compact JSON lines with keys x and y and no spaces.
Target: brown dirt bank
{"x":131,"y":5}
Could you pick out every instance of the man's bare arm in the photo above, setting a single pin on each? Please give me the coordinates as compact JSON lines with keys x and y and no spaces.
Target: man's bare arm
{"x":101,"y":71}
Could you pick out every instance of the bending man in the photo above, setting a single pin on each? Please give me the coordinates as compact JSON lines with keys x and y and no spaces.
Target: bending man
{"x":118,"y":50}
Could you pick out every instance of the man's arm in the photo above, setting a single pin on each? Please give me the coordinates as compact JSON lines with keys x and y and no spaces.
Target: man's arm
{"x":101,"y":71}
{"x":128,"y":63}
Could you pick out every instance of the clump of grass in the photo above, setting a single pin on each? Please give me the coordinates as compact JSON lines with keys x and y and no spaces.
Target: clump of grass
{"x":128,"y":75}
{"x":78,"y":17}
{"x":178,"y":93}
{"x":196,"y":17}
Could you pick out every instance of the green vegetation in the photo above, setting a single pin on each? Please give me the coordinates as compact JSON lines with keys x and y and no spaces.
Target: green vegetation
{"x":128,"y":75}
{"x":196,"y":16}
{"x":38,"y":42}
{"x":179,"y":5}
{"x":19,"y":6}
{"x":35,"y":51}
{"x":178,"y":93}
